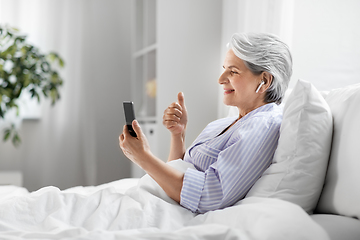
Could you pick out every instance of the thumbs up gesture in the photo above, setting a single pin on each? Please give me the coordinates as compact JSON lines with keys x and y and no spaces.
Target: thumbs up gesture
{"x":175,"y":116}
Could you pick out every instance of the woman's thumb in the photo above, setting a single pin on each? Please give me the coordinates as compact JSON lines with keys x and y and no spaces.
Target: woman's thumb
{"x":137,"y":128}
{"x":181,"y":99}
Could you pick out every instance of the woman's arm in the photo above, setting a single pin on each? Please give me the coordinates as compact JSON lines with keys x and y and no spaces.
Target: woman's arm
{"x":169,"y":179}
{"x":177,"y":147}
{"x":175,"y":120}
{"x":138,"y":151}
{"x":236,"y":165}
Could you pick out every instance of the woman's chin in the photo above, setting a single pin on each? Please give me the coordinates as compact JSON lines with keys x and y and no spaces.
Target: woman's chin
{"x":229,"y":104}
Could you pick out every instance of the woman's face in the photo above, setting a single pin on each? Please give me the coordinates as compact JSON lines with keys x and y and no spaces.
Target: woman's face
{"x":239,"y":84}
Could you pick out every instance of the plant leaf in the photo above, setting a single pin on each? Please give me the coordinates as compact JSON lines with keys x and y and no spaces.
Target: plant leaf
{"x":61,"y":62}
{"x":16,"y":140}
{"x":7,"y":133}
{"x":2,"y":112}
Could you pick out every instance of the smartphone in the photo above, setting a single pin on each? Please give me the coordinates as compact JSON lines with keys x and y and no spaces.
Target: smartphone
{"x":129,"y":116}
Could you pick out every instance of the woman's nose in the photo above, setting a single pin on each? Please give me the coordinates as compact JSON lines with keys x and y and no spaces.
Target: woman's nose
{"x":223,"y":78}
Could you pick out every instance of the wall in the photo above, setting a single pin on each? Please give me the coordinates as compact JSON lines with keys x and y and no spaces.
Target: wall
{"x":110,"y":84}
{"x":189,"y":36}
{"x":325,"y":46}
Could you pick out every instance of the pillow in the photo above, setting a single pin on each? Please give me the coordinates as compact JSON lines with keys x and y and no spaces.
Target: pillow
{"x":148,"y":184}
{"x":300,"y":161}
{"x":341,"y":194}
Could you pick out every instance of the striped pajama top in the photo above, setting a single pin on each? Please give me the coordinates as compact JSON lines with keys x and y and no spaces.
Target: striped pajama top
{"x":228,"y":165}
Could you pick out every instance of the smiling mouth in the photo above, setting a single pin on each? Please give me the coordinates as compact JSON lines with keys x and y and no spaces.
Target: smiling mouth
{"x":228,"y":91}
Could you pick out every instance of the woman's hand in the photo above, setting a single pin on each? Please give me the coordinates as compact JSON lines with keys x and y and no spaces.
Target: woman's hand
{"x":135,"y":148}
{"x":175,"y":116}
{"x":138,"y":151}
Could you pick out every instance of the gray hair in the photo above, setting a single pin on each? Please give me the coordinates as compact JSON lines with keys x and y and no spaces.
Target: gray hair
{"x":263,"y":52}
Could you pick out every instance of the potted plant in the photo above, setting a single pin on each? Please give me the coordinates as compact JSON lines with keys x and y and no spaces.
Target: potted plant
{"x":24,"y":68}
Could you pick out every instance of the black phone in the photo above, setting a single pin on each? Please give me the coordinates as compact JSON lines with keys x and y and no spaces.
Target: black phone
{"x":129,"y":116}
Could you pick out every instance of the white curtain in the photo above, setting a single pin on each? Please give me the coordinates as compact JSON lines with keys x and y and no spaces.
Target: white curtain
{"x":75,"y":142}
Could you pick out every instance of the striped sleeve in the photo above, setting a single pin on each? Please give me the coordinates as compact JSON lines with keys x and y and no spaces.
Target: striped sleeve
{"x":191,"y":193}
{"x":236,"y":169}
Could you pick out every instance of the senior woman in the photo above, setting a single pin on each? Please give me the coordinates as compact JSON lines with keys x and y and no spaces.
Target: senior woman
{"x":230,"y":154}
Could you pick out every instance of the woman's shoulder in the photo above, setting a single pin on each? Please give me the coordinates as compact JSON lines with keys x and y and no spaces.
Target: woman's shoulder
{"x":267,"y":117}
{"x":270,"y":112}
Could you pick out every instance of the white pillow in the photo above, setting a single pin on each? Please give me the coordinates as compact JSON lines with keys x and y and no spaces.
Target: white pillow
{"x":150,"y":185}
{"x":300,"y":161}
{"x":341,"y":194}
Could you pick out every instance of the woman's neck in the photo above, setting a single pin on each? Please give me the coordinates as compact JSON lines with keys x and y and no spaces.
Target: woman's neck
{"x":244,"y":111}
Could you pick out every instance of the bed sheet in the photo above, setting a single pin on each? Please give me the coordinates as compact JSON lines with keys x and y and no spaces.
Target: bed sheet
{"x":139,"y":209}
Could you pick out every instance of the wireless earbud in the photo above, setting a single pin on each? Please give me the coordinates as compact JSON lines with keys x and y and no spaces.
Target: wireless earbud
{"x":262,"y":83}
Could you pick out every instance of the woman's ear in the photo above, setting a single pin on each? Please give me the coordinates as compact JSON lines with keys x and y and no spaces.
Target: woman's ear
{"x":267,"y":78}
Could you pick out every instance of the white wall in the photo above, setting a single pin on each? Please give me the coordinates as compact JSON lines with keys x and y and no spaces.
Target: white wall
{"x":189,"y":35}
{"x":325,"y":48}
{"x":109,"y":73}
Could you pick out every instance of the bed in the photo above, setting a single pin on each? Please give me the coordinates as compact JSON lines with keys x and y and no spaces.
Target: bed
{"x":139,"y":209}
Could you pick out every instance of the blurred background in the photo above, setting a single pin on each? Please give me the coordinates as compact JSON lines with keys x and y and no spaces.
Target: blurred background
{"x":147,"y":51}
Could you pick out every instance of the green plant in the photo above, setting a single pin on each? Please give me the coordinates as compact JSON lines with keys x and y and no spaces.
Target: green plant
{"x":24,"y":68}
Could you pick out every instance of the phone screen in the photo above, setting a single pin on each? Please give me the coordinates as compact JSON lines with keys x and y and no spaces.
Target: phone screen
{"x":129,"y":112}
{"x":129,"y":116}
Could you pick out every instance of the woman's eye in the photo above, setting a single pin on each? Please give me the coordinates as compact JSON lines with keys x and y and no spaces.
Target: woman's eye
{"x":233,"y":72}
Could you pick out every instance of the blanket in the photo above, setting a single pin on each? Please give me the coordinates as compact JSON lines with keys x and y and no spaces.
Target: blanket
{"x":139,"y":209}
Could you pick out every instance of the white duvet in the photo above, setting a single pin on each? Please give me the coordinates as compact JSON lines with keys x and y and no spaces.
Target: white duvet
{"x":131,"y":209}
